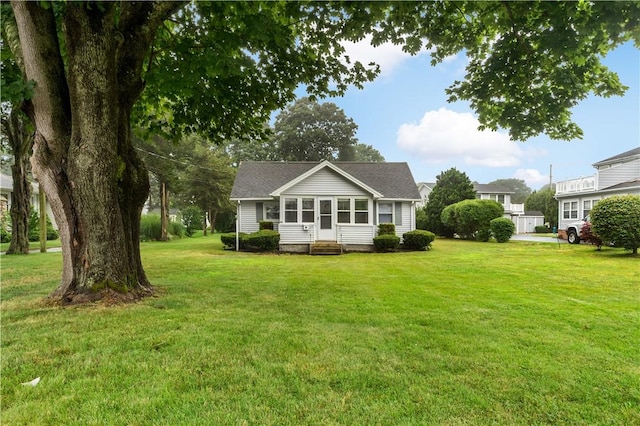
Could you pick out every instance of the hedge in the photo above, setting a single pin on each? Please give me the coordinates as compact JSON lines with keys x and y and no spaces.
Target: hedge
{"x":502,"y":229}
{"x":385,"y":243}
{"x":264,"y":240}
{"x":418,"y":240}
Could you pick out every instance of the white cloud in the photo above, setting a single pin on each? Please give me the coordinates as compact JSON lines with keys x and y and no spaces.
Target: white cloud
{"x":532,"y":177}
{"x":388,"y":55}
{"x":447,"y":136}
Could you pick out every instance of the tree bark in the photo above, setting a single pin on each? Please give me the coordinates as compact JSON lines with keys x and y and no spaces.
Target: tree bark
{"x":21,"y":141}
{"x":83,"y":153}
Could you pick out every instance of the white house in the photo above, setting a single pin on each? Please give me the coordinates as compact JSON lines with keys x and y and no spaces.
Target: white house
{"x":425,"y":189}
{"x":6,"y":189}
{"x":617,"y":175}
{"x":341,"y":202}
{"x":525,"y":221}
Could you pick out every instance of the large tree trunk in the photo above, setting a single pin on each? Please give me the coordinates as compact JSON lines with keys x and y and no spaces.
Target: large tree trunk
{"x":21,"y":142}
{"x":83,"y":153}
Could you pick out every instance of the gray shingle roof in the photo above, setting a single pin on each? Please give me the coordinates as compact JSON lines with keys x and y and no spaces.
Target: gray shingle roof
{"x":631,"y":153}
{"x":258,"y":179}
{"x":490,"y":188}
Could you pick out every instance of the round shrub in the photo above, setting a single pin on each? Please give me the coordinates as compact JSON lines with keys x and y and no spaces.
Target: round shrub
{"x":471,"y":219}
{"x":502,"y":229}
{"x":386,"y":229}
{"x":385,"y":243}
{"x":266,"y":224}
{"x":617,"y":220}
{"x":229,"y":240}
{"x":418,"y":240}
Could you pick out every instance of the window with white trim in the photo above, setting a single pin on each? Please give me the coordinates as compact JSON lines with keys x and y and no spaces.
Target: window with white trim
{"x":385,"y":213}
{"x":361,"y":209}
{"x":344,"y":210}
{"x":308,"y":210}
{"x":272,"y":211}
{"x":570,"y":210}
{"x":291,"y":210}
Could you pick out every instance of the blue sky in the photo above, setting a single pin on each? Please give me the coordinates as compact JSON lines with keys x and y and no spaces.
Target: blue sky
{"x":404,"y":114}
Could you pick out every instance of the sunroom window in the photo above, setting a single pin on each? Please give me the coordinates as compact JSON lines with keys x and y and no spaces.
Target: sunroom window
{"x":361,"y":210}
{"x":308,"y":210}
{"x":344,"y":210}
{"x":291,"y":210}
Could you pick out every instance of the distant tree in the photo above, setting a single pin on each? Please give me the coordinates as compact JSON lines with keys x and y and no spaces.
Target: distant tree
{"x":252,"y":149}
{"x":451,"y":186}
{"x":617,"y":220}
{"x":544,"y":202}
{"x":518,"y":186}
{"x":309,"y":131}
{"x":207,"y":183}
{"x":367,"y":153}
{"x":18,"y":137}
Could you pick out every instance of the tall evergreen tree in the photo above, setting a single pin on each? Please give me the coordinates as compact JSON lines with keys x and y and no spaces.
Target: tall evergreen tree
{"x":451,"y":187}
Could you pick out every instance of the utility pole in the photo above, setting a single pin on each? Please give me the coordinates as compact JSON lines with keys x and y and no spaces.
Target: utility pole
{"x":43,"y":220}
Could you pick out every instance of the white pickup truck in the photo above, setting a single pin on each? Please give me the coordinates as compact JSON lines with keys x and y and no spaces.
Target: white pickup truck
{"x":574,"y":230}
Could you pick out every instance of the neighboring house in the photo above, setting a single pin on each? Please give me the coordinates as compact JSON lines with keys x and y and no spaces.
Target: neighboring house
{"x":617,"y":175}
{"x":425,"y":189}
{"x":6,"y":189}
{"x":341,"y":202}
{"x":525,"y":221}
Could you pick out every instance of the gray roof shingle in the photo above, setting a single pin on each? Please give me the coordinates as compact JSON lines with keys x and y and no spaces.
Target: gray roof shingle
{"x":258,"y":179}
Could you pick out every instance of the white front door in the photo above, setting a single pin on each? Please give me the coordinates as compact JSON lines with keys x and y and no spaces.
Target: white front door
{"x":326,"y":226}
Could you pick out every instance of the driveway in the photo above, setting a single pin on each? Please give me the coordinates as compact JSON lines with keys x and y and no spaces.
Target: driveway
{"x":537,"y":239}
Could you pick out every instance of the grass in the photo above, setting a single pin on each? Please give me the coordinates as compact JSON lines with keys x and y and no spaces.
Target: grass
{"x":33,"y":245}
{"x":467,"y":333}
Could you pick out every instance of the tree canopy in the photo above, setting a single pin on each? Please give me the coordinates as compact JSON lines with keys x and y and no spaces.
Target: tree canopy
{"x":518,"y":186}
{"x":451,"y":187}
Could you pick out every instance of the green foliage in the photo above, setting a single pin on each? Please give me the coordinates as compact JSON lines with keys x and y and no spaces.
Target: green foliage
{"x":192,"y":218}
{"x":502,"y":229}
{"x":451,"y":187}
{"x":542,"y":229}
{"x":518,"y":186}
{"x":386,"y":242}
{"x":34,"y":227}
{"x":386,"y":229}
{"x":545,"y":202}
{"x":264,"y":240}
{"x":471,"y":219}
{"x":150,"y":228}
{"x":229,"y":240}
{"x":265,"y":224}
{"x":310,"y":131}
{"x":421,"y":219}
{"x":617,"y":220}
{"x":418,"y":240}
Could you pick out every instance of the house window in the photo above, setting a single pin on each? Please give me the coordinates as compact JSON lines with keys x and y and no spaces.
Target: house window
{"x":385,"y":213}
{"x":344,"y":210}
{"x":586,"y":207}
{"x":308,"y":210}
{"x":570,"y":210}
{"x":272,"y":211}
{"x":361,"y":210}
{"x":291,"y":210}
{"x":501,"y":198}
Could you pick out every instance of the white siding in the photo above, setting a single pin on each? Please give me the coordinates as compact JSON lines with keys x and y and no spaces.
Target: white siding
{"x":527,"y":224}
{"x":618,"y":173}
{"x":407,"y":224}
{"x":294,"y":233}
{"x":356,"y":234}
{"x":325,"y":182}
{"x":247,"y":217}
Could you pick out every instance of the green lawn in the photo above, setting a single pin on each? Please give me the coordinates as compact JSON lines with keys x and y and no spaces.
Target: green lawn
{"x":467,"y":333}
